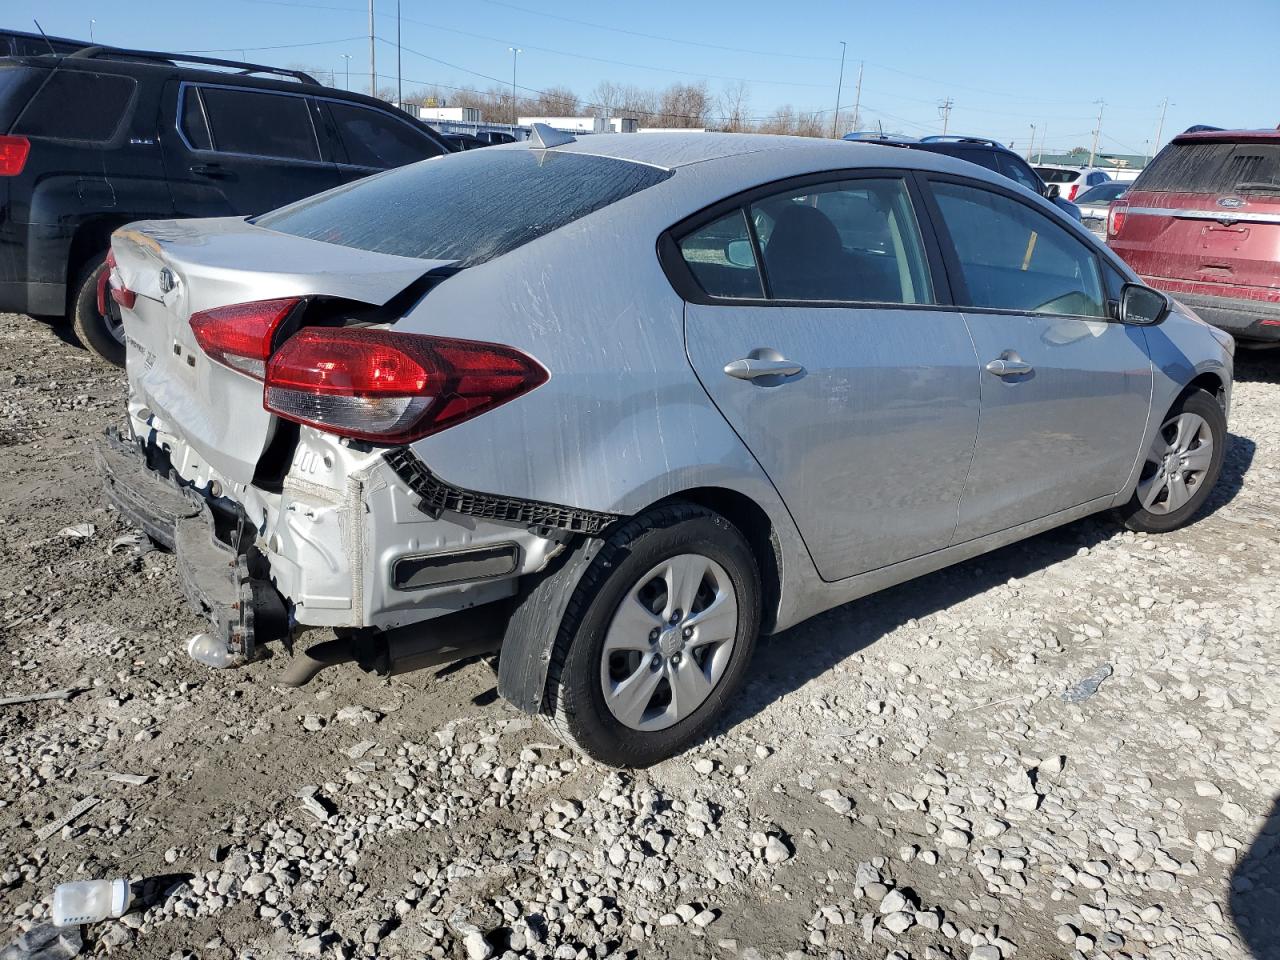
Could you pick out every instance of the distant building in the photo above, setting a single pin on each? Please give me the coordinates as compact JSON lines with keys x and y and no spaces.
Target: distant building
{"x":585,"y":124}
{"x":1121,"y":166}
{"x":453,"y":114}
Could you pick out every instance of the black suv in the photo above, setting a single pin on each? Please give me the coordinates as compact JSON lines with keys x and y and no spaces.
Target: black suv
{"x":96,"y":138}
{"x":985,"y":153}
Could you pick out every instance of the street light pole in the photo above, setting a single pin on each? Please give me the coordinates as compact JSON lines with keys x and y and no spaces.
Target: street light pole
{"x":515,"y":53}
{"x":1164,"y":105}
{"x":1032,"y":145}
{"x":835,"y":121}
{"x":347,"y":58}
{"x":91,"y":23}
{"x":399,"y":75}
{"x":1097,"y":132}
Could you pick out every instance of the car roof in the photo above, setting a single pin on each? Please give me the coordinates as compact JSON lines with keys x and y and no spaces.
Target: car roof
{"x":1229,"y":136}
{"x":674,"y":150}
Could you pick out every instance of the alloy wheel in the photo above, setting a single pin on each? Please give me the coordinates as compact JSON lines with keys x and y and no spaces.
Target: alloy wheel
{"x":1176,"y":463}
{"x":669,"y":642}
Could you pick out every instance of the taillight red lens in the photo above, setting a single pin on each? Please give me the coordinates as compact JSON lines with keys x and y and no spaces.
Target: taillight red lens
{"x":239,"y":336}
{"x":13,"y":155}
{"x":1115,"y":217}
{"x":111,"y":282}
{"x":392,"y":387}
{"x":1071,"y":194}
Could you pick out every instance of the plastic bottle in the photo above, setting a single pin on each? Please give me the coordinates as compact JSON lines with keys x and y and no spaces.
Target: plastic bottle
{"x":88,"y":901}
{"x":207,"y":649}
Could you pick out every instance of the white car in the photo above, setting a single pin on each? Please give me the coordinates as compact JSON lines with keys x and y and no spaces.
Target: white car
{"x":1095,"y":204}
{"x":1071,"y":181}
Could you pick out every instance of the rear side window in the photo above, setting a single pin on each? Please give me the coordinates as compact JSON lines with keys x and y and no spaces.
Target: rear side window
{"x":722,"y":260}
{"x":194,"y":125}
{"x":373,"y":139}
{"x":260,"y":124}
{"x":1213,"y":168}
{"x":851,"y":241}
{"x":469,"y":207}
{"x":1014,"y":258}
{"x":75,"y":105}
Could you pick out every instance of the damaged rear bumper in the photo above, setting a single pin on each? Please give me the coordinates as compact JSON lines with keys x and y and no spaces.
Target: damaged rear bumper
{"x":222,"y":575}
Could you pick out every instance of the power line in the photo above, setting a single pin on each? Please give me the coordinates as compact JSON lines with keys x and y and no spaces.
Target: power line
{"x":278,"y":46}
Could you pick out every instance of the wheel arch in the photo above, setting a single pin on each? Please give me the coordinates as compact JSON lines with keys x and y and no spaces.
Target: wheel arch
{"x":1209,"y":381}
{"x":755,"y":525}
{"x":92,"y":236}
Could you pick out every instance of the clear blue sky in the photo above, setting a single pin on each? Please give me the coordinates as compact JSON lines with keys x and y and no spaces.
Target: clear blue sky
{"x":1004,"y":65}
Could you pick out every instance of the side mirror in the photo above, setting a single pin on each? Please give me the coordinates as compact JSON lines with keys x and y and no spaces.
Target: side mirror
{"x":1141,"y":306}
{"x":1052,"y":191}
{"x":739,"y":253}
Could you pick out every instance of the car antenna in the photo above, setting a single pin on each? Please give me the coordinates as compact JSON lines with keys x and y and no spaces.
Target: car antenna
{"x":45,"y":35}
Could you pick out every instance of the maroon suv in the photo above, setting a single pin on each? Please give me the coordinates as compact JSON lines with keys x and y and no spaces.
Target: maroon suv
{"x":1202,"y":223}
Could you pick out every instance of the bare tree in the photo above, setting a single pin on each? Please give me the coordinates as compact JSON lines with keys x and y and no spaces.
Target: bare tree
{"x":732,"y":106}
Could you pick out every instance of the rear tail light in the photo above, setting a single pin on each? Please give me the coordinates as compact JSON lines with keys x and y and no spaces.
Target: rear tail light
{"x":1071,"y":194}
{"x":1115,"y":217}
{"x":240,"y":336}
{"x":13,"y":155}
{"x":391,"y":387}
{"x":110,"y":281}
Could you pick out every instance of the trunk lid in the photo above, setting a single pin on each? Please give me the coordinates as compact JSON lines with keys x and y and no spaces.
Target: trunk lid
{"x":1207,"y":210}
{"x":181,"y":267}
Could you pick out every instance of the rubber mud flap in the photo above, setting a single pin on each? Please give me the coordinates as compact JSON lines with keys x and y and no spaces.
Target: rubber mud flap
{"x":535,"y":621}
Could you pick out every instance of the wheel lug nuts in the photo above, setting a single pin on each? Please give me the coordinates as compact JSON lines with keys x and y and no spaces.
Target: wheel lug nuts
{"x":675,"y":659}
{"x":676,"y":615}
{"x":688,"y":632}
{"x":654,"y":634}
{"x":656,"y":662}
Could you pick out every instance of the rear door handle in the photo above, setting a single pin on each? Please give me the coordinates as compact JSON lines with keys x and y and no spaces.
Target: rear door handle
{"x":1009,"y":368}
{"x":211,"y":170}
{"x":750,"y":368}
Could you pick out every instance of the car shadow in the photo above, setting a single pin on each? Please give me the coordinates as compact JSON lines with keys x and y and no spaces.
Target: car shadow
{"x":1257,"y":366}
{"x":1255,"y":891}
{"x":786,"y":661}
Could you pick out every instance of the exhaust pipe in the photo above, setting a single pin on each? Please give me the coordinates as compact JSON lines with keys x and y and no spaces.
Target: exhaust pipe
{"x":456,"y":636}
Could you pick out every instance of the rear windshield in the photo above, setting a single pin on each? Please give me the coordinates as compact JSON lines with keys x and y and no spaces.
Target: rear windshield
{"x":1054,"y":175}
{"x":1213,"y":168}
{"x":469,"y":207}
{"x":77,"y":105}
{"x":1102,"y":193}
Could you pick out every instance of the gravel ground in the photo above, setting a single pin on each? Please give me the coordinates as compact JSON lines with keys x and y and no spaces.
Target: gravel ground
{"x":901,"y":777}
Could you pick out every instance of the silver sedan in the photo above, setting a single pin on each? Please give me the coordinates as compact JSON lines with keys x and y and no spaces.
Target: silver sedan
{"x":614,"y":407}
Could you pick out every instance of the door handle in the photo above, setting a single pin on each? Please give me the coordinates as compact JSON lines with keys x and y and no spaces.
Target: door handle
{"x":1009,"y":368}
{"x":212,"y":170}
{"x":750,"y":368}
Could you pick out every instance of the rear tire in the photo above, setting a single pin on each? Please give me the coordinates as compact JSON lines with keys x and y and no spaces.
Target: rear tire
{"x":624,"y":633}
{"x":1181,"y":466}
{"x":94,"y":330}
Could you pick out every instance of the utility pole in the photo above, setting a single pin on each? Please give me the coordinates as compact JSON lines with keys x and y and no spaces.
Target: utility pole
{"x":1097,"y":132}
{"x":399,"y":75}
{"x":944,"y":108}
{"x":1164,"y":105}
{"x":1044,"y":132}
{"x":515,"y":53}
{"x":91,"y":23}
{"x":1032,"y":145}
{"x":373,"y":57}
{"x":857,"y":100}
{"x":835,"y":121}
{"x":347,"y":58}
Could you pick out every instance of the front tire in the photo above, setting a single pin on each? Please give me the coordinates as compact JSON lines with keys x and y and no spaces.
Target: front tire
{"x":1181,"y":466}
{"x":99,"y":334}
{"x":656,"y":638}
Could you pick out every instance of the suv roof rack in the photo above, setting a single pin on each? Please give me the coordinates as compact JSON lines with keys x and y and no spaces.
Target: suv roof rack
{"x":875,"y":136}
{"x":92,"y":53}
{"x":954,"y":138}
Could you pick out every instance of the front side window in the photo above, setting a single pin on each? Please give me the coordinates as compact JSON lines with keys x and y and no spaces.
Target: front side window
{"x":855,"y":240}
{"x":1016,"y":170}
{"x":721,"y":258}
{"x":260,"y":124}
{"x":1015,"y":258}
{"x":75,"y":105}
{"x":373,"y":139}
